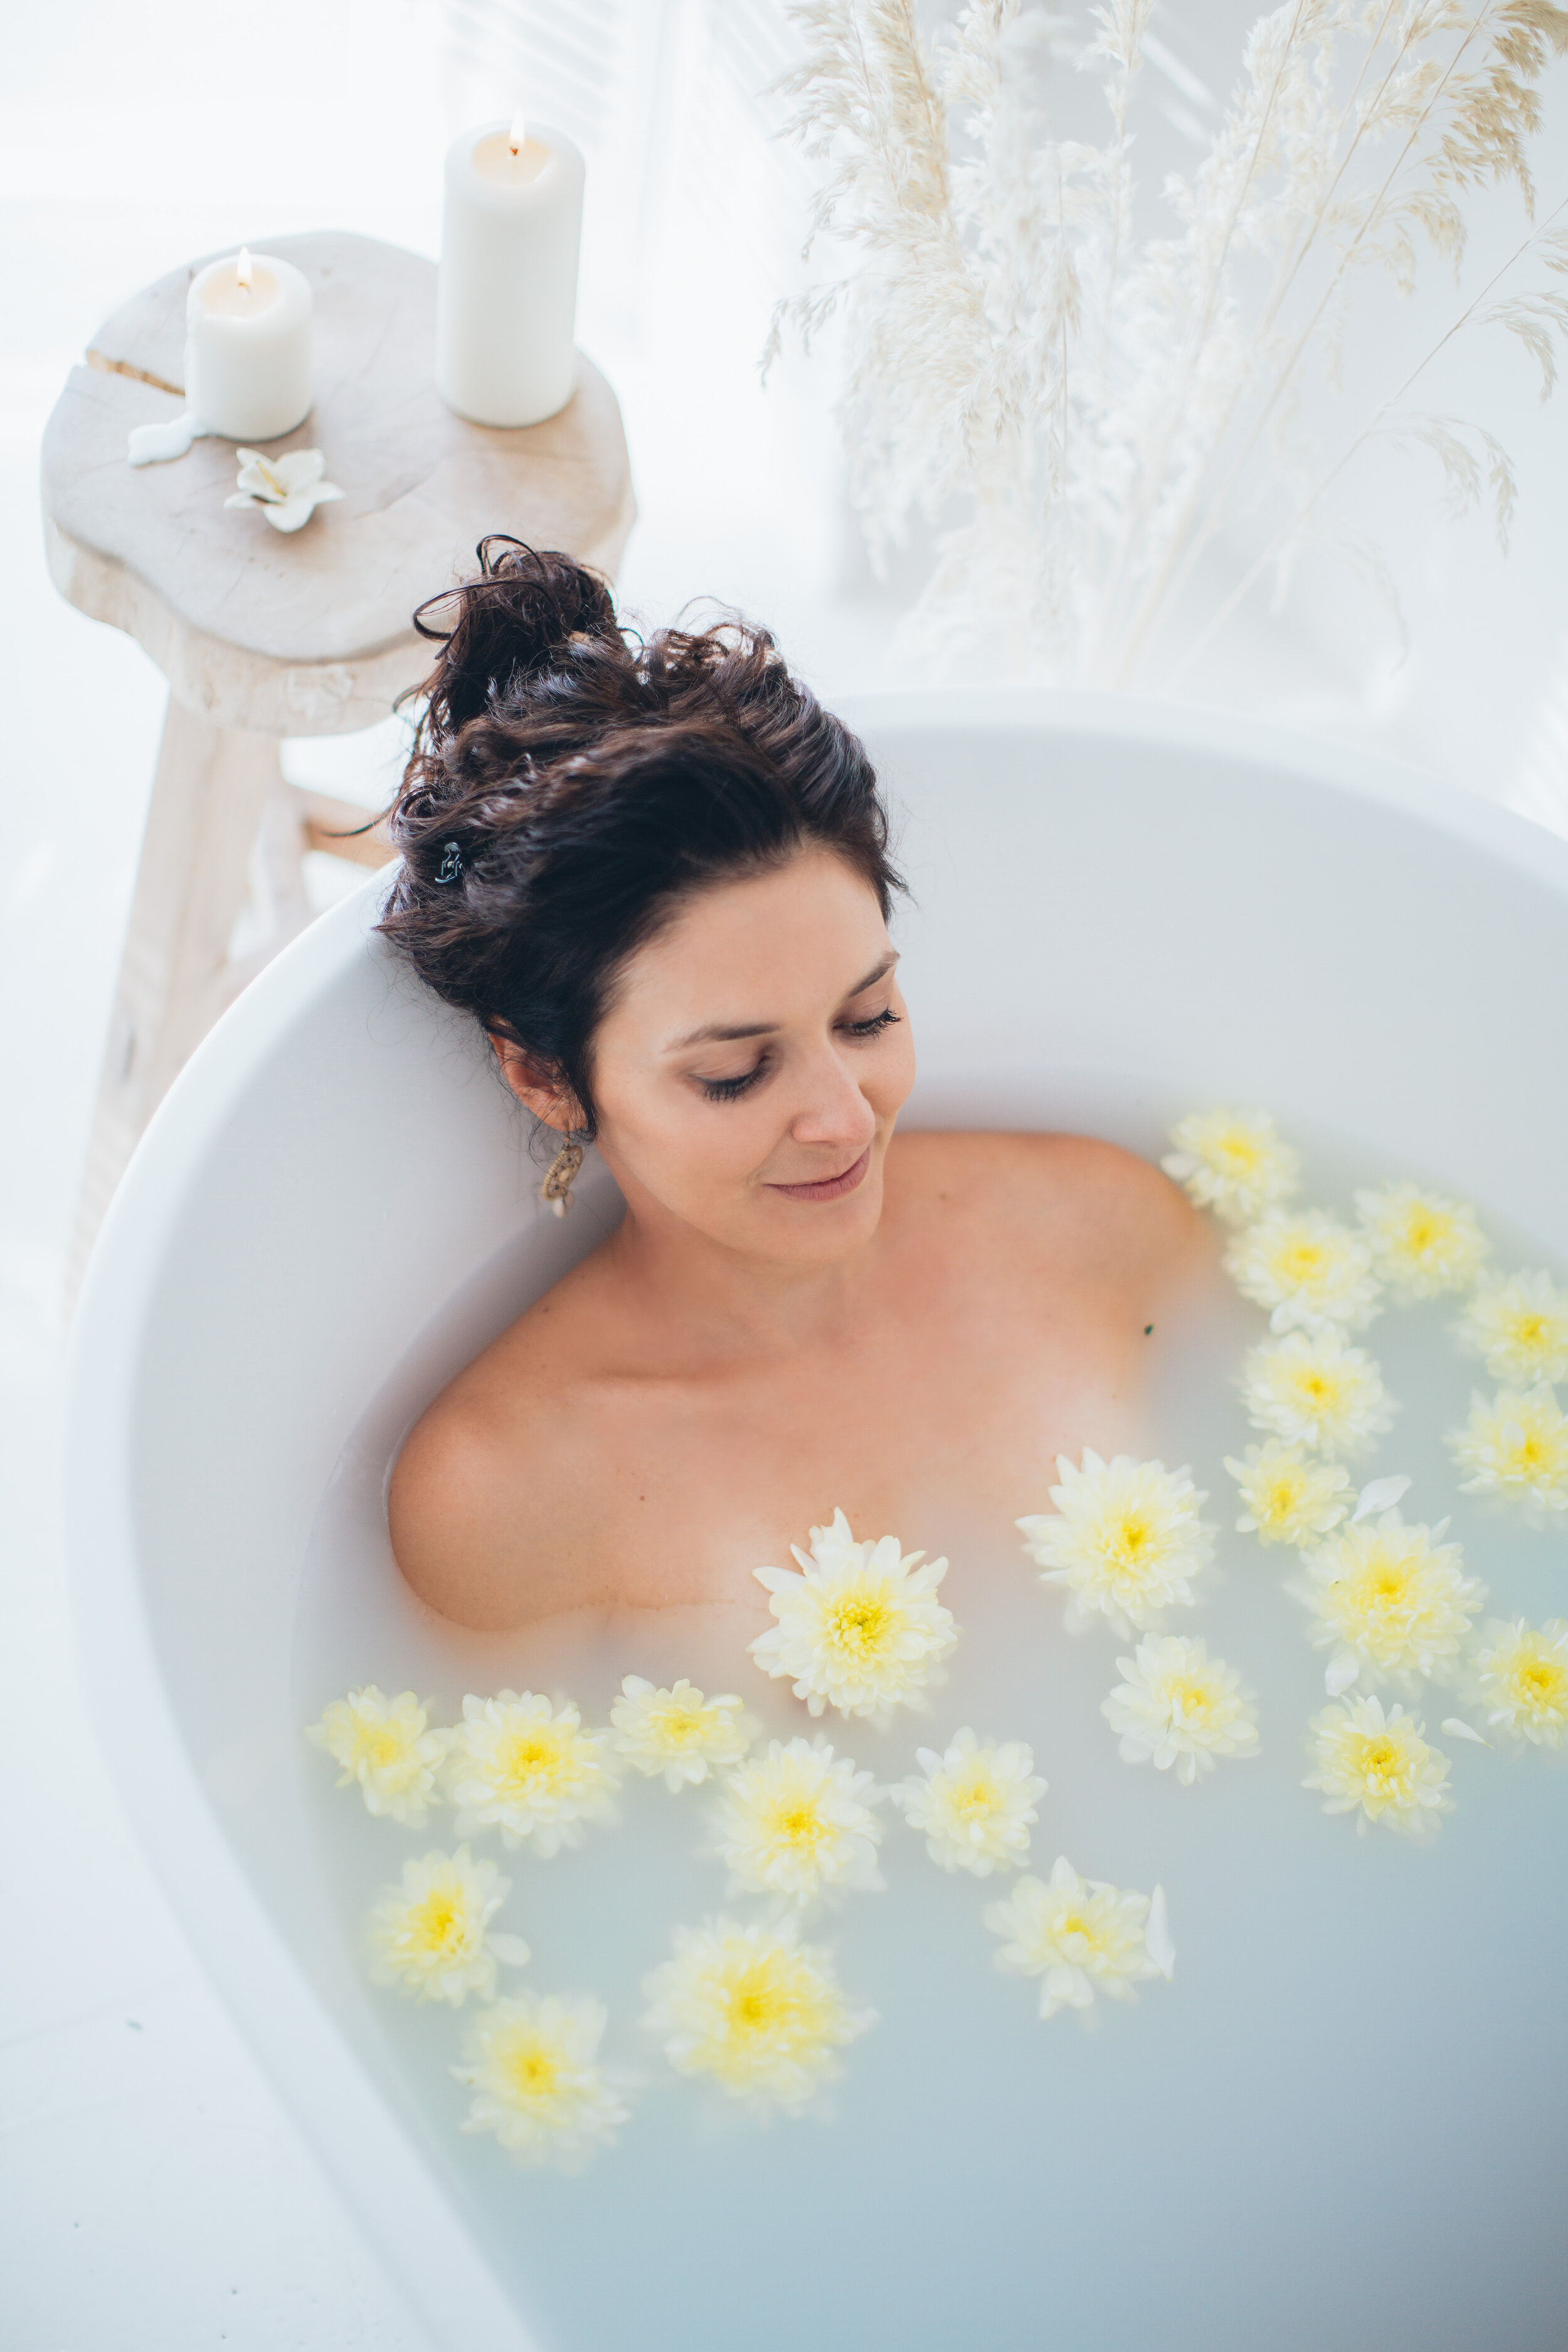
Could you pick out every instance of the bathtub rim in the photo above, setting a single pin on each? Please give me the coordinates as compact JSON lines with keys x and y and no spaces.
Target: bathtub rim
{"x":440,"y":2269}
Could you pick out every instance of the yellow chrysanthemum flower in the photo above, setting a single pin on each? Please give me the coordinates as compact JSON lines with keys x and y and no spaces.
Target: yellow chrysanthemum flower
{"x":1081,"y":1936}
{"x":386,"y":1745}
{"x":1233,"y":1162}
{"x":1520,"y":1676}
{"x":1421,"y":1243}
{"x":532,"y":2066}
{"x":1516,"y":1450}
{"x":1176,"y":1705}
{"x":797,"y":1823}
{"x":757,"y":2011}
{"x":1391,"y":1601}
{"x":974,"y":1802}
{"x":1287,"y":1498}
{"x":676,"y":1731}
{"x":1517,"y":1324}
{"x":1125,"y":1539}
{"x":431,"y":1934}
{"x":519,"y":1765}
{"x":1317,"y":1391}
{"x":1311,"y":1273}
{"x":1378,"y":1767}
{"x":860,"y":1628}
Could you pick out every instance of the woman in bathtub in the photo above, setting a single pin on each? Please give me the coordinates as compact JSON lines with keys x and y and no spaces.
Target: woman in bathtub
{"x":658,"y":875}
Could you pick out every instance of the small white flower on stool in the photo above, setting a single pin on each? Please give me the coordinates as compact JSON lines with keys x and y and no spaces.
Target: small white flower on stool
{"x":288,"y":490}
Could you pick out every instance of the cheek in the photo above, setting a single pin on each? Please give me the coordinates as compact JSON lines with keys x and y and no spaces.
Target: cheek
{"x":888,"y":1087}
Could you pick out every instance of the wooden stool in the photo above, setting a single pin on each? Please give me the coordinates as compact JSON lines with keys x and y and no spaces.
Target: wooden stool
{"x":262,"y":634}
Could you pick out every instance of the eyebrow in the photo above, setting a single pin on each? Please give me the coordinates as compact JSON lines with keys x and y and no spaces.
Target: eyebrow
{"x":717,"y":1033}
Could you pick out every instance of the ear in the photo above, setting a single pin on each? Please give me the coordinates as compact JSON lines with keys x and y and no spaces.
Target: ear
{"x":555,"y":1105}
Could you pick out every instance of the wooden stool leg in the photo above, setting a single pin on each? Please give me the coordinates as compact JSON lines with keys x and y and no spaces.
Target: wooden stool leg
{"x":208,"y":795}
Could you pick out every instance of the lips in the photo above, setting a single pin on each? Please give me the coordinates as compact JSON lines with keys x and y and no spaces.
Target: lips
{"x":830,"y":1188}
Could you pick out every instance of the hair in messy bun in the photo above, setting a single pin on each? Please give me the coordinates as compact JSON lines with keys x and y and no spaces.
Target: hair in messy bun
{"x":571,"y":782}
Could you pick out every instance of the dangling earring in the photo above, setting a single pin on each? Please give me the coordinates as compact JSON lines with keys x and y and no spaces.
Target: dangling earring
{"x":559,"y":1178}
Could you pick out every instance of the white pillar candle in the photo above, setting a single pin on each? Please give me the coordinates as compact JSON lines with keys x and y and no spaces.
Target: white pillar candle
{"x":507,"y":299}
{"x":247,"y":347}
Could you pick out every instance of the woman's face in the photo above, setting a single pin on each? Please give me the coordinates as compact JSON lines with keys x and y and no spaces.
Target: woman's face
{"x":753,"y":1060}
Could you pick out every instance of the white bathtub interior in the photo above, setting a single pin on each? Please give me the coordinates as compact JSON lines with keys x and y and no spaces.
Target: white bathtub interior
{"x":1116,"y":914}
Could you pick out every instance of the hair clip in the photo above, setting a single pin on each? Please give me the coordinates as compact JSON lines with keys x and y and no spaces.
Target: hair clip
{"x":451,"y":866}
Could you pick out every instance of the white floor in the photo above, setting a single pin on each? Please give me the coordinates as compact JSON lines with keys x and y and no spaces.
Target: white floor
{"x":154,"y":2197}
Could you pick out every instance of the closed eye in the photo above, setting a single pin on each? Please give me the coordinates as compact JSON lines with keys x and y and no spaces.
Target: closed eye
{"x":886,"y":1019}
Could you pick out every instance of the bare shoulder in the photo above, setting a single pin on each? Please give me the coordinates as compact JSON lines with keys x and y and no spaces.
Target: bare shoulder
{"x":1056,"y":1199}
{"x":491,"y":1481}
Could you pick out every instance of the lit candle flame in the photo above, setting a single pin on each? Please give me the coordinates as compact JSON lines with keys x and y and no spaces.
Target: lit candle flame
{"x":518,"y":132}
{"x":242,"y":268}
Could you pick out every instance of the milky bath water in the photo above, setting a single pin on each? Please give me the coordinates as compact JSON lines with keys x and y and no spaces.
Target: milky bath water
{"x":1337,"y":2122}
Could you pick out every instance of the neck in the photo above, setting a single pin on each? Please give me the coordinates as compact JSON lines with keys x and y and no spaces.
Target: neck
{"x":732,"y":1302}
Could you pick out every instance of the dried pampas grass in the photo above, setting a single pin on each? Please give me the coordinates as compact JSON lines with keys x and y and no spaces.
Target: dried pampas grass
{"x":1097,"y":406}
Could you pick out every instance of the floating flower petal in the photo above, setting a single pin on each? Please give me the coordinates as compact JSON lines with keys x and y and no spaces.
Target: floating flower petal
{"x":1288,"y":1497}
{"x":1178,"y":1706}
{"x":1518,"y":1323}
{"x":519,"y":1765}
{"x":1316,"y":1392}
{"x":1233,"y":1162}
{"x":860,"y":1628}
{"x":797,"y":1823}
{"x":1313,"y":1273}
{"x":1079,"y":1935}
{"x":1378,"y":1767}
{"x":1516,"y":1450}
{"x":532,"y":2065}
{"x":1421,"y":1243}
{"x":755,"y":2010}
{"x":386,"y":1745}
{"x":1125,"y":1539}
{"x":1391,"y":1601}
{"x":431,"y":1934}
{"x":676,"y":1731}
{"x":1519,"y":1677}
{"x":974,"y":1802}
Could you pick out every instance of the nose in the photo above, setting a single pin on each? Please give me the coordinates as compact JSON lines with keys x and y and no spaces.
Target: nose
{"x":834,"y":1110}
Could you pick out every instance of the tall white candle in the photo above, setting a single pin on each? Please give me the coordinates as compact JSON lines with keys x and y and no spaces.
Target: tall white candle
{"x":507,"y":301}
{"x":247,"y":347}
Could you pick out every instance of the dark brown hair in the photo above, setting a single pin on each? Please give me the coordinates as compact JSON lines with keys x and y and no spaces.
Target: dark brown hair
{"x":571,"y":782}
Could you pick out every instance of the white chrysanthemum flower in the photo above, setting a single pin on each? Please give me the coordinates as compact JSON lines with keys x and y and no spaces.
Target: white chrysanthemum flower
{"x":531,"y":2063}
{"x":974,"y":1802}
{"x":1379,"y":1767}
{"x":1080,"y":1936}
{"x":431,"y":1935}
{"x":1421,"y":1243}
{"x":797,"y":1823}
{"x":1391,"y":1601}
{"x":1178,"y":1706}
{"x":752,"y":2008}
{"x":1516,"y":1450}
{"x":1315,"y":1390}
{"x":1518,"y":1323}
{"x":519,"y":1765}
{"x":1125,"y":1539}
{"x":385,"y":1745}
{"x":860,"y":1628}
{"x":1287,"y":1498}
{"x":1233,"y":1162}
{"x":1520,"y":1676}
{"x":676,"y":1731}
{"x":1313,"y":1273}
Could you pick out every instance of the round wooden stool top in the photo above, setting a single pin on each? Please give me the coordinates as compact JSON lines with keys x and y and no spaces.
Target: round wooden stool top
{"x":310,"y":633}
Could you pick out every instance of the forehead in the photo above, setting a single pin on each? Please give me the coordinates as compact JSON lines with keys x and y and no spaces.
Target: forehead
{"x":767,"y":947}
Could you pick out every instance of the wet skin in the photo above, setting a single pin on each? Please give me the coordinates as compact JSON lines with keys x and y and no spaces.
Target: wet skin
{"x":800,"y":1310}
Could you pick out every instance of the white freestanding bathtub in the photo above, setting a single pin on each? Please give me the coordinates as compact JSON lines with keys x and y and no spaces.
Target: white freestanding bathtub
{"x":1117,"y":908}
